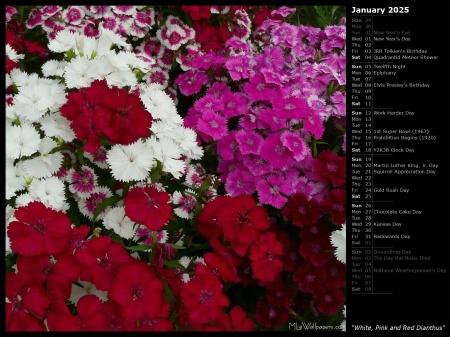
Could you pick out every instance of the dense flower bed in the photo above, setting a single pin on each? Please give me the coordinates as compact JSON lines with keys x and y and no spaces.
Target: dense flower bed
{"x":175,"y":168}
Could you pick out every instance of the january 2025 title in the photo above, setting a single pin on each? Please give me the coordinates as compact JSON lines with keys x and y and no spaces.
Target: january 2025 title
{"x":380,"y":10}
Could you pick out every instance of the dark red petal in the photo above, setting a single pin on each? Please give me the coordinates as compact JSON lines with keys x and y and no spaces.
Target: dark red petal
{"x":25,"y":240}
{"x":240,"y":320}
{"x":88,"y":305}
{"x":36,"y":301}
{"x":21,"y":321}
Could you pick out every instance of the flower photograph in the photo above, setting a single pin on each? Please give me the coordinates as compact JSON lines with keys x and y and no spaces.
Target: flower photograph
{"x":175,"y":168}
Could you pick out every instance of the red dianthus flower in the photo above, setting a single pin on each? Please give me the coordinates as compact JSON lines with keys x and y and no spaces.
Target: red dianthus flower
{"x":328,"y":166}
{"x":203,"y":297}
{"x":106,"y":257}
{"x":243,"y":220}
{"x":329,"y":300}
{"x":335,"y":204}
{"x":26,"y":305}
{"x":148,"y":206}
{"x":265,"y":256}
{"x":301,"y":210}
{"x":124,"y":117}
{"x":138,"y":290}
{"x":39,"y":229}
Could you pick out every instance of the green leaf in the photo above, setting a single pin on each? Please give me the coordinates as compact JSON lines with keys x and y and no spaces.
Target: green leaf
{"x":139,"y":248}
{"x":171,"y":299}
{"x":116,"y":238}
{"x":156,"y":172}
{"x":322,"y":22}
{"x":337,"y":148}
{"x":173,"y":264}
{"x":61,"y":148}
{"x":173,"y":316}
{"x":169,"y":296}
{"x":70,"y":55}
{"x":21,"y":10}
{"x":80,"y":155}
{"x":176,"y":246}
{"x":108,"y":202}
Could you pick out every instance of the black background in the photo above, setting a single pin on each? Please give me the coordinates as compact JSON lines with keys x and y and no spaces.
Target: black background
{"x":416,"y":299}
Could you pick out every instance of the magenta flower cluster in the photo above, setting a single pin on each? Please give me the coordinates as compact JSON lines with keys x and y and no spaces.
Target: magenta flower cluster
{"x":262,"y":104}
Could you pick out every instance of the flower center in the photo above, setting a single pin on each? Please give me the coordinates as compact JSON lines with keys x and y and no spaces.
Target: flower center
{"x":40,"y":225}
{"x":137,"y":292}
{"x":123,"y":112}
{"x":73,"y":15}
{"x":260,"y":86}
{"x":16,"y":304}
{"x":301,"y":209}
{"x":242,"y":217}
{"x":315,"y":248}
{"x":151,"y":202}
{"x":328,"y":298}
{"x":275,"y":190}
{"x":310,"y":278}
{"x":289,"y":106}
{"x":332,"y":167}
{"x":272,"y":313}
{"x":269,"y":255}
{"x":279,"y":149}
{"x":174,"y":38}
{"x":334,"y":272}
{"x":293,"y":256}
{"x":206,"y":296}
{"x":104,"y":262}
{"x":314,"y":230}
{"x":338,"y":207}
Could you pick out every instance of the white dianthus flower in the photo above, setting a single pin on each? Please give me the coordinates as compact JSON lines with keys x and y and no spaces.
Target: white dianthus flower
{"x":119,"y":222}
{"x":15,"y":175}
{"x":9,"y":191}
{"x":157,"y":102}
{"x":80,"y":73}
{"x":104,"y":67}
{"x":21,"y":140}
{"x":113,"y":37}
{"x":24,"y":199}
{"x":121,"y":78}
{"x":47,"y":163}
{"x":33,"y":101}
{"x":12,"y":54}
{"x":55,"y":125}
{"x":338,"y":240}
{"x":343,"y":325}
{"x":130,"y":162}
{"x":168,"y":153}
{"x":53,"y":68}
{"x":184,"y":261}
{"x":86,"y":288}
{"x":187,"y":139}
{"x":63,"y":41}
{"x":130,"y":59}
{"x":9,"y":216}
{"x":49,"y":191}
{"x":22,"y":79}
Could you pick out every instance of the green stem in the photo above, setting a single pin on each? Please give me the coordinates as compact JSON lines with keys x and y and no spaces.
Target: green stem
{"x":314,"y":147}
